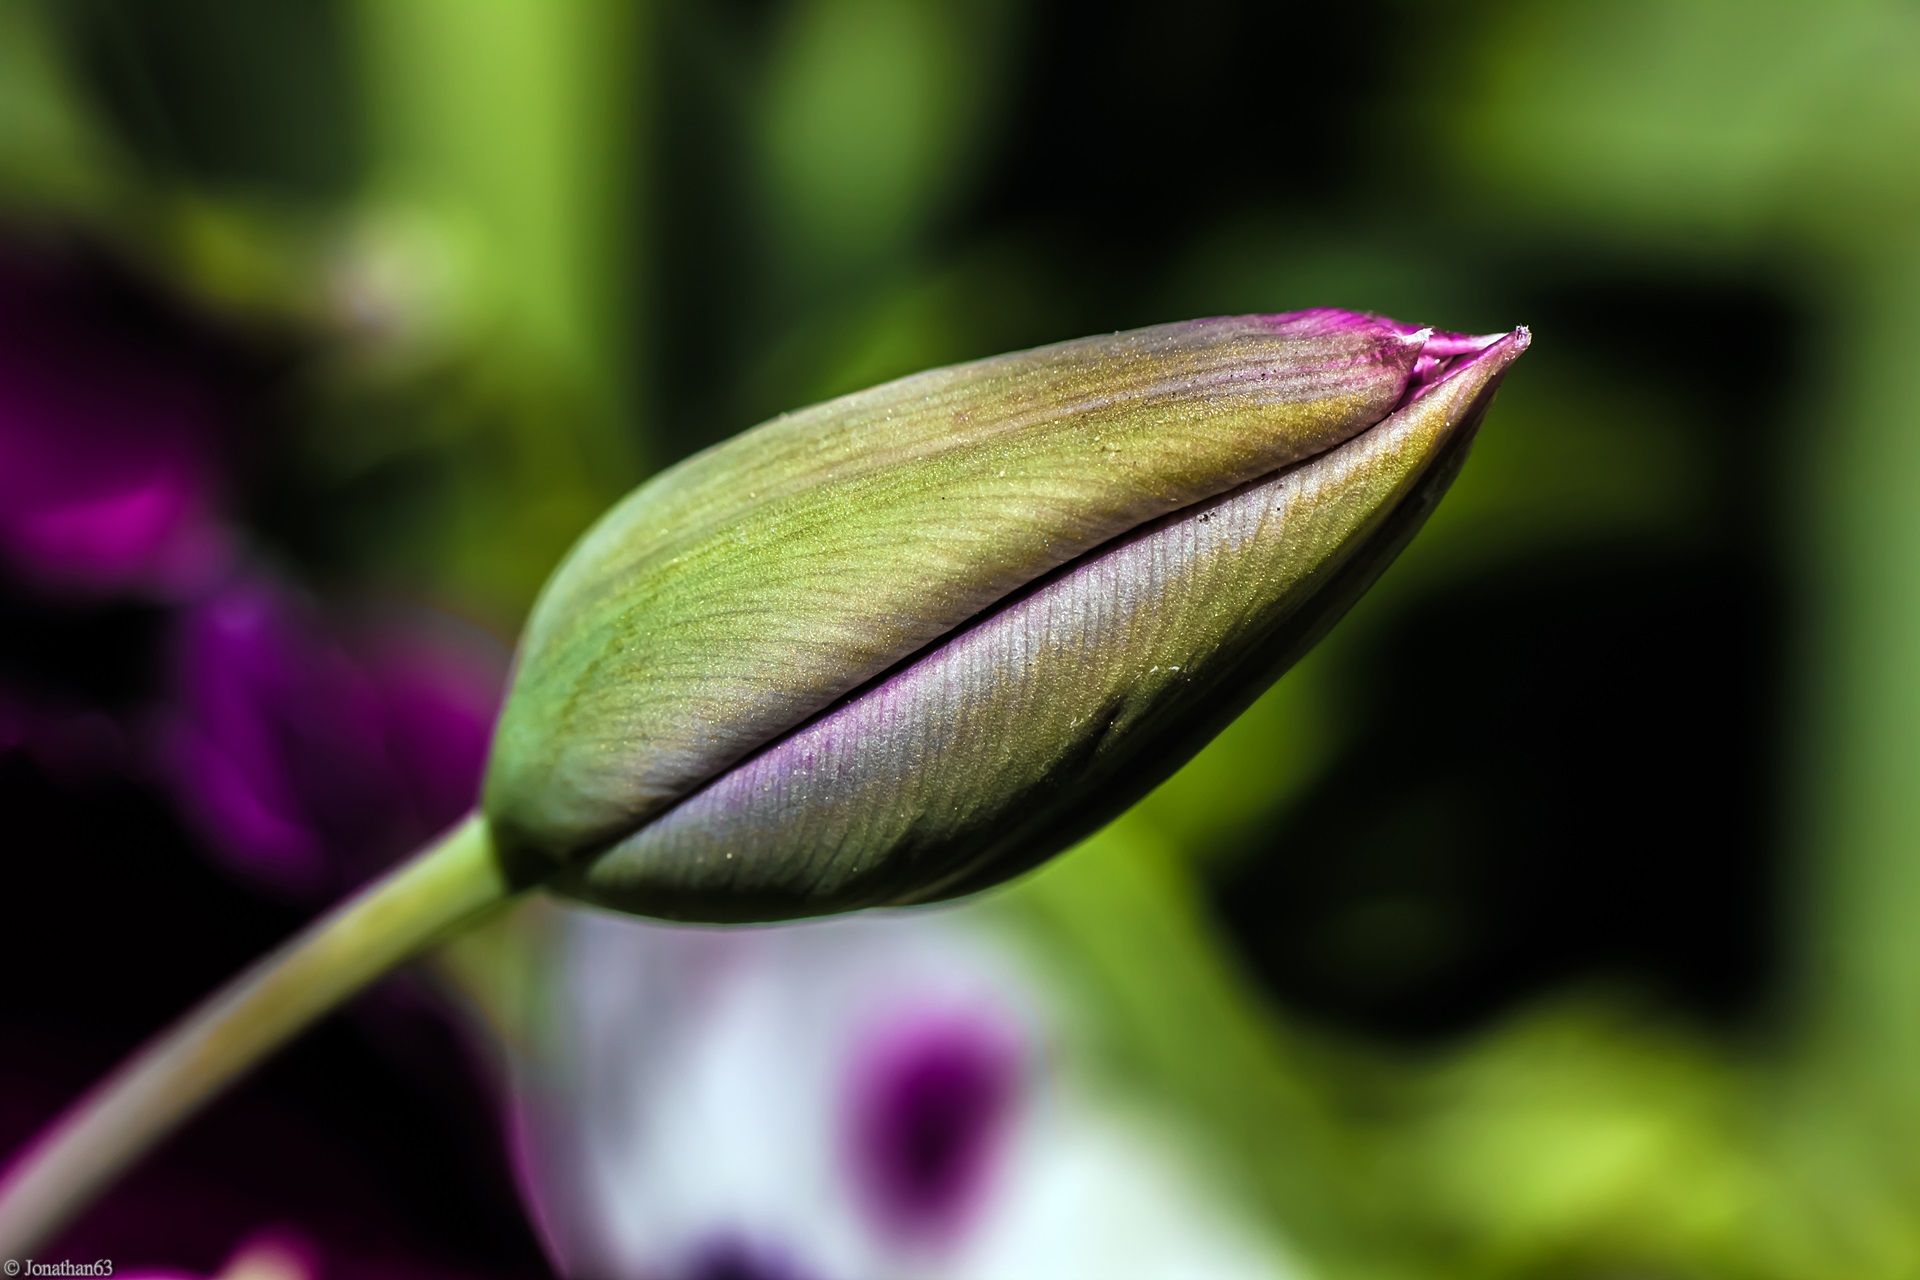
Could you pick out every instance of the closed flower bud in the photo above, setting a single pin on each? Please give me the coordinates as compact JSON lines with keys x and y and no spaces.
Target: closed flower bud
{"x":905,"y":644}
{"x":888,"y":650}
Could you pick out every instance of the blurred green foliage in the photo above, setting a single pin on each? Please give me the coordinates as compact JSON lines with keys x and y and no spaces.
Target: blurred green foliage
{"x":1665,"y":1026}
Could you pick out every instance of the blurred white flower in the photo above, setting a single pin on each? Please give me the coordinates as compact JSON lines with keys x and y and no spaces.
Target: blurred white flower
{"x":847,"y":1100}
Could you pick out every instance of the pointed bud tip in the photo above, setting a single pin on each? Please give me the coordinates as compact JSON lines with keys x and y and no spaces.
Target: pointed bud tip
{"x":1498,"y":350}
{"x":1470,"y":379}
{"x":1450,"y":345}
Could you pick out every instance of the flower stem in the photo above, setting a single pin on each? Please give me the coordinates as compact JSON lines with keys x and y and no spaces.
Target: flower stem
{"x":446,"y":885}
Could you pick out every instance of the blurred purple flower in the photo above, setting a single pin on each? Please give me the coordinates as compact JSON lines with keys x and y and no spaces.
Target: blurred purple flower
{"x":305,"y":754}
{"x":835,"y":1100}
{"x":308,"y":759}
{"x":112,"y":412}
{"x":931,"y":1095}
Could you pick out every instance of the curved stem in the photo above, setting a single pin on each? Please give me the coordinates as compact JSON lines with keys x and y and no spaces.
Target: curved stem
{"x":444,"y":886}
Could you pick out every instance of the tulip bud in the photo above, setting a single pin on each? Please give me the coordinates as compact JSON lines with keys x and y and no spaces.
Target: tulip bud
{"x":888,"y":650}
{"x":902,"y":645}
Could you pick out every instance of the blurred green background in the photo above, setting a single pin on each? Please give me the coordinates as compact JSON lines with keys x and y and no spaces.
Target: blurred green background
{"x":1560,"y":916}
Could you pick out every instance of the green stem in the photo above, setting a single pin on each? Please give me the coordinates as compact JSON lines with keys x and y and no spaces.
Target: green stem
{"x":446,"y":885}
